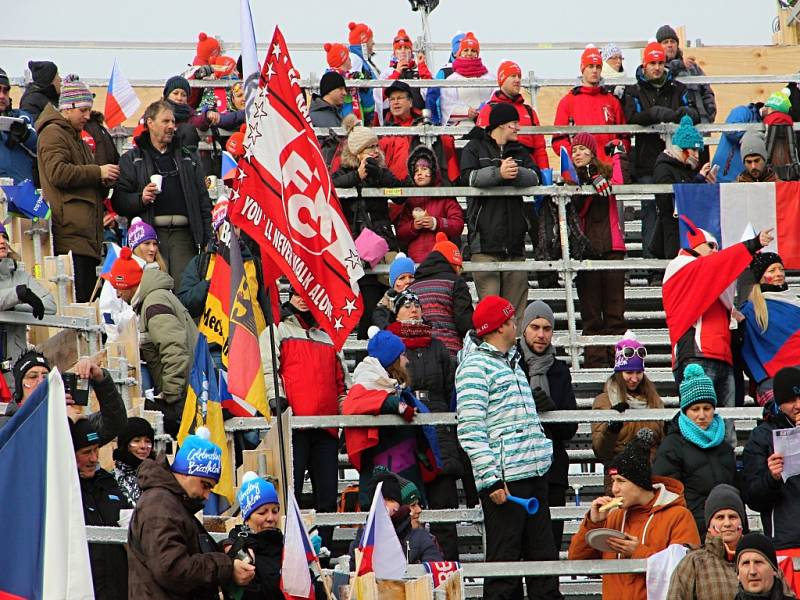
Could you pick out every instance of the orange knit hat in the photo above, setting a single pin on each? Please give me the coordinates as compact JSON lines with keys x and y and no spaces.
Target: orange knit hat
{"x":206,"y":48}
{"x":125,"y":273}
{"x":506,"y":69}
{"x":469,"y":41}
{"x":591,"y":56}
{"x":401,"y":40}
{"x":336,"y":54}
{"x":360,"y":33}
{"x":448,"y":249}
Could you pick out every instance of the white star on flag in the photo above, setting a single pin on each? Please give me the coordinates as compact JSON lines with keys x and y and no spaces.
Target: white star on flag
{"x":349,"y":306}
{"x":241,"y":176}
{"x":337,"y":323}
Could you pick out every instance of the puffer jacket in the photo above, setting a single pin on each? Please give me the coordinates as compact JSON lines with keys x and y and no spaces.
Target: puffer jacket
{"x":775,"y":500}
{"x":102,"y":501}
{"x":167,"y":336}
{"x":704,"y":574}
{"x":446,"y":301}
{"x":71,"y":185}
{"x":135,"y":168}
{"x":729,"y":152}
{"x":16,"y":160}
{"x":646,"y":104}
{"x":527,"y":118}
{"x":698,"y":469}
{"x":498,"y":426}
{"x":662,"y":522}
{"x":586,"y":105}
{"x":496,"y":224}
{"x":170,"y":554}
{"x":12,"y":274}
{"x":701,"y":96}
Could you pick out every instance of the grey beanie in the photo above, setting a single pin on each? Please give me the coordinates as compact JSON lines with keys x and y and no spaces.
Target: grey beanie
{"x":725,"y":496}
{"x":753,"y":143}
{"x":538,"y":309}
{"x":665,"y":32}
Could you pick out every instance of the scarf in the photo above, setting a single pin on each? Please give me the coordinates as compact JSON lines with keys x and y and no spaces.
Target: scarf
{"x":769,"y":287}
{"x":677,"y":154}
{"x":414,"y":335}
{"x":702,"y":438}
{"x":182,"y":112}
{"x":470,"y":67}
{"x":538,"y":365}
{"x":615,"y":396}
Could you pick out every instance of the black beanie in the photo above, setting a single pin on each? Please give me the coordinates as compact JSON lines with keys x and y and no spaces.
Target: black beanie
{"x":43,"y":72}
{"x":329,"y":82}
{"x":83,"y":434}
{"x":633,"y":463}
{"x":4,"y":80}
{"x":136,"y":427}
{"x":757,"y":542}
{"x":786,"y":384}
{"x":502,"y":113}
{"x":177,"y":82}
{"x":725,"y":496}
{"x":761,"y":262}
{"x":24,"y":363}
{"x":665,"y":32}
{"x":391,"y":485}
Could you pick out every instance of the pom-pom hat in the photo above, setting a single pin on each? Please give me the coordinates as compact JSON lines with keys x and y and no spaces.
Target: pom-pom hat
{"x":140,"y":232}
{"x":74,"y":94}
{"x":360,"y":33}
{"x":198,"y":456}
{"x":696,"y":387}
{"x":401,"y":265}
{"x":629,"y":354}
{"x":385,"y":346}
{"x":125,"y":273}
{"x":336,"y":55}
{"x":448,"y":249}
{"x":254,"y":493}
{"x":686,"y":136}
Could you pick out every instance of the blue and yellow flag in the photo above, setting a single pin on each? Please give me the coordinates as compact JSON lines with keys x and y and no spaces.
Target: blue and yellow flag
{"x":203,"y":407}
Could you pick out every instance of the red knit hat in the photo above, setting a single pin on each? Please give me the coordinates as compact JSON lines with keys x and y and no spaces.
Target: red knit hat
{"x":359,"y":33}
{"x":506,"y":69}
{"x":653,"y":52}
{"x":591,"y":56}
{"x":469,"y":41}
{"x":490,"y":314}
{"x":585,"y":139}
{"x":125,"y":273}
{"x":206,"y":48}
{"x":448,"y":249}
{"x":235,"y":145}
{"x":223,"y":65}
{"x":401,"y":40}
{"x":336,"y":55}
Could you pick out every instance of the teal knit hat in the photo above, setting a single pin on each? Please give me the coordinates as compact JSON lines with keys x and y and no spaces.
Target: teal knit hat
{"x":686,"y":136}
{"x":780,"y":101}
{"x":696,"y":387}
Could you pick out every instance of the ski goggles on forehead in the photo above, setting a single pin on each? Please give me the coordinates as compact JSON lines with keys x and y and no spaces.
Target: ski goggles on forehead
{"x":629,"y":352}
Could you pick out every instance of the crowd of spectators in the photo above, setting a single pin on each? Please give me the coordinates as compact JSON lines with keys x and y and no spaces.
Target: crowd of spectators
{"x":428,"y":347}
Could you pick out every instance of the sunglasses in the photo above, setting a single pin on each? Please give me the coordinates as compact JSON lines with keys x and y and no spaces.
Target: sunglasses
{"x":629,"y":352}
{"x":713,"y":245}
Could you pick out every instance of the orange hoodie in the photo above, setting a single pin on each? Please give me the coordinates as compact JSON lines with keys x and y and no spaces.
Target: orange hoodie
{"x":665,"y":521}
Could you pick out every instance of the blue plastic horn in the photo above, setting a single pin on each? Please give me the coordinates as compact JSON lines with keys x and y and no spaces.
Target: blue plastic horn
{"x":529,"y":504}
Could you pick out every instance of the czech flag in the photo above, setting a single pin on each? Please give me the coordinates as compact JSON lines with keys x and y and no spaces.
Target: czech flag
{"x":298,"y":556}
{"x":229,"y":163}
{"x":767,"y":352}
{"x":727,"y":209}
{"x":121,"y":100}
{"x":380,"y":550}
{"x":568,"y":172}
{"x":234,"y":405}
{"x":41,"y":511}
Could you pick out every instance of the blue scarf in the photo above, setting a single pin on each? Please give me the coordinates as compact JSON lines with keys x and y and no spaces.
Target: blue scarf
{"x":702,"y":438}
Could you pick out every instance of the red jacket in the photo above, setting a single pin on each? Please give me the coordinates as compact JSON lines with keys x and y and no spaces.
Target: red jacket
{"x":449,"y":218}
{"x":397,"y":147}
{"x":527,"y":118}
{"x":588,"y":106}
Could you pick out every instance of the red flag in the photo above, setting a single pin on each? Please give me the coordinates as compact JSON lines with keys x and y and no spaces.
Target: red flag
{"x":283,"y":198}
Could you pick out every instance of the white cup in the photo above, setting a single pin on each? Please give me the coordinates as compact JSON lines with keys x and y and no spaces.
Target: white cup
{"x":157,"y":179}
{"x":125,"y":517}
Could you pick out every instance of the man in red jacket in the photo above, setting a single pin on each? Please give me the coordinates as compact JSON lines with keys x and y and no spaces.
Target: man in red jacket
{"x":589,"y":104}
{"x":509,"y":78}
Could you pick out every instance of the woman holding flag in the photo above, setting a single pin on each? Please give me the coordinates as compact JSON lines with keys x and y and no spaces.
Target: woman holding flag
{"x":771,"y":322}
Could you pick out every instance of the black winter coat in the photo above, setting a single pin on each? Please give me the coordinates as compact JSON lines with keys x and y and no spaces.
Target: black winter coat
{"x":698,"y":469}
{"x":36,"y":97}
{"x":776,"y":500}
{"x":497,"y":224}
{"x":563,"y":396}
{"x":136,"y":166}
{"x":669,"y":170}
{"x":645,"y":105}
{"x":102,"y":501}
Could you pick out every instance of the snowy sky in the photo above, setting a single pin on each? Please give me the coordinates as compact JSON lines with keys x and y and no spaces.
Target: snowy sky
{"x":716,"y":22}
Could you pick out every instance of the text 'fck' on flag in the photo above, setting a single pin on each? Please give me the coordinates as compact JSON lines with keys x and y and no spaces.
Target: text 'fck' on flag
{"x":284,"y":199}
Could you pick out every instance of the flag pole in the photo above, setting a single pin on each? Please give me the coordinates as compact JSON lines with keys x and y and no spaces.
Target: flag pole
{"x":278,"y":407}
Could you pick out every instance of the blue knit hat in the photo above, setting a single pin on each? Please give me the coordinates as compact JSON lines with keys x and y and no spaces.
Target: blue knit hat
{"x":199,"y":456}
{"x":400,"y":266}
{"x":254,"y":493}
{"x":385,"y":346}
{"x":686,"y":136}
{"x":696,"y":387}
{"x":456,"y":42}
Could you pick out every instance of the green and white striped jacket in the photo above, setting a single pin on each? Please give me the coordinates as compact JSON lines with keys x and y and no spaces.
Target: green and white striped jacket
{"x":498,"y":426}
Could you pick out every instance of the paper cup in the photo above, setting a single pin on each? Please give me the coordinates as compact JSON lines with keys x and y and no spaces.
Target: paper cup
{"x":157,"y":179}
{"x":125,"y":517}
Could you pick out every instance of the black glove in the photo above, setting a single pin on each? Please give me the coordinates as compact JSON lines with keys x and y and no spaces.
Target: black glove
{"x":273,"y":405}
{"x":753,"y":245}
{"x":621,"y":407}
{"x":203,"y":72}
{"x":373,"y":169}
{"x":615,"y":426}
{"x":544,"y":403}
{"x":17,"y":133}
{"x":684,"y":110}
{"x":613,"y":147}
{"x":26,"y":296}
{"x":663,"y":114}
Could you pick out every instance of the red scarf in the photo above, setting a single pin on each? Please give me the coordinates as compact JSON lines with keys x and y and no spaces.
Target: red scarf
{"x":414,"y":335}
{"x":469,"y":67}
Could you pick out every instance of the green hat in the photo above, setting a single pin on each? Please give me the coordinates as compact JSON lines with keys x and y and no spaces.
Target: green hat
{"x":696,"y":387}
{"x":780,"y":101}
{"x":686,"y":136}
{"x":409,"y":492}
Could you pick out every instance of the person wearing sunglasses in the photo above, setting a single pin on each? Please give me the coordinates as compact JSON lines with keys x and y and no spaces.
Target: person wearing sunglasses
{"x":627,"y":388}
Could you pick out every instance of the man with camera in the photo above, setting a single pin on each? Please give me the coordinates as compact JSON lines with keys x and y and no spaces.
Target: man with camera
{"x":17,"y":137}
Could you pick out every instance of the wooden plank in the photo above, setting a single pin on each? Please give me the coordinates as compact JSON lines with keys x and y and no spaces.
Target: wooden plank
{"x":420,"y":588}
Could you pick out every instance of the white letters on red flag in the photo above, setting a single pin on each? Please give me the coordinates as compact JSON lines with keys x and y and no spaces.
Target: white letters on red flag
{"x":284,"y":199}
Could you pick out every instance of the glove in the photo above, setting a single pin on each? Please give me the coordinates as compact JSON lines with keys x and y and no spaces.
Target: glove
{"x":614,"y":147}
{"x":663,"y":114}
{"x":26,"y":296}
{"x":373,"y":169}
{"x":544,"y":403}
{"x":406,"y":411}
{"x":621,"y":407}
{"x":17,"y":133}
{"x":601,"y":185}
{"x":273,"y":405}
{"x":316,"y":541}
{"x":684,"y":110}
{"x":615,"y":427}
{"x":203,"y":72}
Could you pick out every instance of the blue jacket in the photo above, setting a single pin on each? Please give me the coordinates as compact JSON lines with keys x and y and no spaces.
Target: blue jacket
{"x":17,"y":162}
{"x":728,"y":155}
{"x":365,"y":94}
